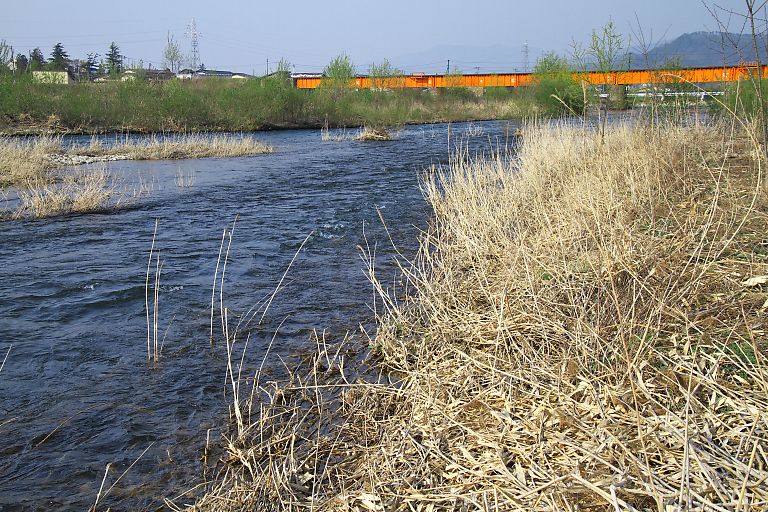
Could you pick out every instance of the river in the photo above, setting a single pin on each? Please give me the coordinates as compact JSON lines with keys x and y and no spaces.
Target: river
{"x":76,"y":390}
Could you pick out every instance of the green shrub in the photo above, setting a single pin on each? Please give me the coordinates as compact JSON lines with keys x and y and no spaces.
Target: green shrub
{"x":742,"y":97}
{"x":554,"y":90}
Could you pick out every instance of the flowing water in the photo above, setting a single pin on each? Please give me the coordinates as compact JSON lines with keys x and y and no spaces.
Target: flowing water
{"x":76,"y":390}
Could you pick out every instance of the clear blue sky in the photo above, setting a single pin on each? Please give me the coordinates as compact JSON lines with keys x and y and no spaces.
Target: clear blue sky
{"x":242,"y":35}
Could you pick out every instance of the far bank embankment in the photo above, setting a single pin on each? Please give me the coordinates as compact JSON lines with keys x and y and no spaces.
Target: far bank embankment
{"x":219,"y":105}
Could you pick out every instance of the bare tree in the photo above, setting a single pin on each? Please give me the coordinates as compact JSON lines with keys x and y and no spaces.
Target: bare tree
{"x":756,"y":74}
{"x":605,"y":54}
{"x":645,"y":44}
{"x":172,"y":56}
{"x":751,"y":10}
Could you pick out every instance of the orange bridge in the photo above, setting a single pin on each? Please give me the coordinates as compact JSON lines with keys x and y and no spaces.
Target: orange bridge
{"x":647,"y":76}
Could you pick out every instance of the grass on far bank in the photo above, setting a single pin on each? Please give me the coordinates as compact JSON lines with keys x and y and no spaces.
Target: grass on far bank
{"x":232,"y":105}
{"x":585,"y":325}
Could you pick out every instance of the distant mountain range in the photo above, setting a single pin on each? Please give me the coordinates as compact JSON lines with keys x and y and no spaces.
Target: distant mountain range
{"x":702,"y":49}
{"x":694,"y":49}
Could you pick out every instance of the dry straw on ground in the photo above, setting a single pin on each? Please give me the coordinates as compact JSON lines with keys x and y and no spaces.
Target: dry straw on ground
{"x":368,"y":133}
{"x":583,"y":329}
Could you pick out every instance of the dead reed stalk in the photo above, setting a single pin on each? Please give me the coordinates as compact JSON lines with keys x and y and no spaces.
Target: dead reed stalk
{"x":153,"y":325}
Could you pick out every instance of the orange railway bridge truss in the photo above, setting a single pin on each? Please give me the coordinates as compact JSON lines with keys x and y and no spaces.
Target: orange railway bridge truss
{"x":635,"y":77}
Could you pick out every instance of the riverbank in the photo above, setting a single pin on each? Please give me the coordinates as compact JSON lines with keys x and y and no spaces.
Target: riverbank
{"x":233,"y":106}
{"x":585,"y":324}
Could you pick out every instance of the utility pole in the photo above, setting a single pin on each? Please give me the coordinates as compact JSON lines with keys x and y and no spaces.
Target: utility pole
{"x":448,"y":69}
{"x":194,"y":37}
{"x":267,"y":67}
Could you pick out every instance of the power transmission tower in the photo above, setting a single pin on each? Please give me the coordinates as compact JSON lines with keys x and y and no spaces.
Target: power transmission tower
{"x":194,"y":37}
{"x":525,"y":57}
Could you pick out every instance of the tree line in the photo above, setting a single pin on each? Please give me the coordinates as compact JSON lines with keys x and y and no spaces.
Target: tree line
{"x":112,"y":63}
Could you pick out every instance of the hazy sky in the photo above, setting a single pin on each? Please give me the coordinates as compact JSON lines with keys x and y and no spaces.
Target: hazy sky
{"x":242,"y":35}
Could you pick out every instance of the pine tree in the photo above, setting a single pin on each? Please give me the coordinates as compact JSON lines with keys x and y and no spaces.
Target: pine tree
{"x":114,"y":59}
{"x":36,"y":60}
{"x":22,"y":63}
{"x":59,"y":59}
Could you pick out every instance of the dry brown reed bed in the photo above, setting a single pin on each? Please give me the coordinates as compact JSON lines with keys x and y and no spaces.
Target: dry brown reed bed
{"x":25,"y":160}
{"x":30,"y":166}
{"x":22,"y":160}
{"x":368,"y":133}
{"x":76,"y":192}
{"x":175,"y":147}
{"x":583,"y":329}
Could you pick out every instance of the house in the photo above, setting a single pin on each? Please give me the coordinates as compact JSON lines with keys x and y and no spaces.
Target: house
{"x":52,"y":77}
{"x":159,"y":74}
{"x":212,"y":73}
{"x":188,"y":74}
{"x":147,"y":74}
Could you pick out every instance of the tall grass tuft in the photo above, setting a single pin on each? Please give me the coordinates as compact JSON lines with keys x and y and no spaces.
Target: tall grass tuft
{"x":584,"y":324}
{"x":76,"y":192}
{"x":26,"y":160}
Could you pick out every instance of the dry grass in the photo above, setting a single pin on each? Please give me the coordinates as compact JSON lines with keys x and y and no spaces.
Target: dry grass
{"x":77,"y":192}
{"x":184,"y":179}
{"x":327,"y":136}
{"x":175,"y":147}
{"x":29,"y":164}
{"x":28,"y":161}
{"x":25,"y":160}
{"x":368,"y":133}
{"x":583,"y":329}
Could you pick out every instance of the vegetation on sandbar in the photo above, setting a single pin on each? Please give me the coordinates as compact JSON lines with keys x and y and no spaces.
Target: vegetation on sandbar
{"x":32,"y":167}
